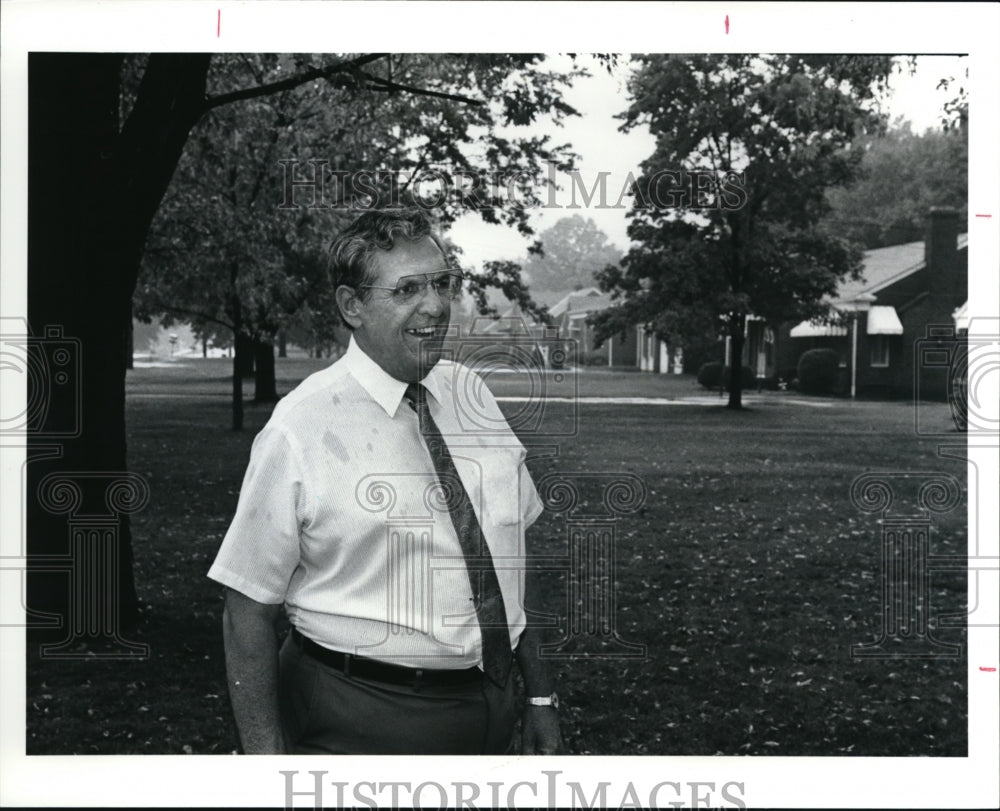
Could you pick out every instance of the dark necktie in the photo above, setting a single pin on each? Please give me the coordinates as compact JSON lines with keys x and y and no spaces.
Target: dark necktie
{"x":478,"y":562}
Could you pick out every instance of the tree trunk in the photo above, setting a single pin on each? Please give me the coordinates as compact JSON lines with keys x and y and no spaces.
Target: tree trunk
{"x":238,"y":355}
{"x":245,"y":360}
{"x":130,"y":344}
{"x":92,"y":193}
{"x":204,"y":346}
{"x":737,"y":323}
{"x":282,"y":344}
{"x":265,"y":385}
{"x":237,"y":394}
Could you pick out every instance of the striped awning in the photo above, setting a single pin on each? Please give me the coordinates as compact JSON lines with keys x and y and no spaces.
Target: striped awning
{"x":815,"y":329}
{"x":884,"y":321}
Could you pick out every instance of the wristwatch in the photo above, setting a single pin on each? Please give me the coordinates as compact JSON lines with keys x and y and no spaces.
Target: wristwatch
{"x":544,"y":701}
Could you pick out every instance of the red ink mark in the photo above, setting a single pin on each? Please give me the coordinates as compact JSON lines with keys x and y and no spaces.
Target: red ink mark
{"x":988,"y":669}
{"x":987,"y":216}
{"x":727,"y":23}
{"x":218,"y":22}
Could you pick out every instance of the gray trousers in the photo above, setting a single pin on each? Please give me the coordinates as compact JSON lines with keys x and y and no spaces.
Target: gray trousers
{"x":325,"y":712}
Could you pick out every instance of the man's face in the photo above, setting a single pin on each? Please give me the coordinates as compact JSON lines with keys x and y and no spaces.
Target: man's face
{"x":392,"y":332}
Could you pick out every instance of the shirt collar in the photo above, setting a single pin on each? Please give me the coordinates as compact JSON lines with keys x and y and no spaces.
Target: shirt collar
{"x":383,"y":388}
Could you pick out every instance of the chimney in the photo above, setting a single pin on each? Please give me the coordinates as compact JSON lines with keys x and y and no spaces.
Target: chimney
{"x":941,"y":255}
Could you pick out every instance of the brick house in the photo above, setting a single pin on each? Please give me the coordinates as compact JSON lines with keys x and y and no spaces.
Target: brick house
{"x":910,"y":298}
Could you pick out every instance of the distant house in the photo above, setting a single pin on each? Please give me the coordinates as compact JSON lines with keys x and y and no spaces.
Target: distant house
{"x":502,"y":340}
{"x":569,"y":315}
{"x":910,"y":298}
{"x":655,"y":354}
{"x":638,"y":348}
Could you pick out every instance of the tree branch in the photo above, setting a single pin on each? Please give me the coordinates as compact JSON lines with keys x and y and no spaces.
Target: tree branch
{"x":291,"y":82}
{"x":181,"y":311}
{"x":386,"y":85}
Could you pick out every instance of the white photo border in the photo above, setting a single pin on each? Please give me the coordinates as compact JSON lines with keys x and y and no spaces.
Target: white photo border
{"x":181,"y":781}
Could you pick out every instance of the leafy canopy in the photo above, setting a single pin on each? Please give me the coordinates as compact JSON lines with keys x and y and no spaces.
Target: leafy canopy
{"x":574,"y":250}
{"x":229,"y":247}
{"x":779,"y":126}
{"x":902,"y":176}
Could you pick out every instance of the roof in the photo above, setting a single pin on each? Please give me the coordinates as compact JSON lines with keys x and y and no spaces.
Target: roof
{"x":882,"y":267}
{"x":510,"y":321}
{"x":546,"y":298}
{"x":586,"y":300}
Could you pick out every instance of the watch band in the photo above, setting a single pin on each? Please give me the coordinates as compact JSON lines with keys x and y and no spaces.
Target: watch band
{"x":544,"y":701}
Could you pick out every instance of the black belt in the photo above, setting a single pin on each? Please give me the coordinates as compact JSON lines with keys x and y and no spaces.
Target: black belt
{"x":351,"y":665}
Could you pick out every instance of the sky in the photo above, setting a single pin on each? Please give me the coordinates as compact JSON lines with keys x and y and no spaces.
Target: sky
{"x":602,"y":148}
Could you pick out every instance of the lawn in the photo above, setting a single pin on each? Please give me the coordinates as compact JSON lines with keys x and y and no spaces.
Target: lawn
{"x":747,"y":574}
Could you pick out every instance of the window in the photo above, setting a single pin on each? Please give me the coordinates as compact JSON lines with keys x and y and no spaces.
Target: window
{"x":879,"y":350}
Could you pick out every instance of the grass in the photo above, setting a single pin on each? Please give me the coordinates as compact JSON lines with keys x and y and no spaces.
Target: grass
{"x":747,"y":574}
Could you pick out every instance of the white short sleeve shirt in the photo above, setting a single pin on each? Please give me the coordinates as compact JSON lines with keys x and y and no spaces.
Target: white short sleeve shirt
{"x":340,"y":516}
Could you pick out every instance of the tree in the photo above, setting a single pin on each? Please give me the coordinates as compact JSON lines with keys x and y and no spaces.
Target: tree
{"x":574,"y":250}
{"x":955,"y":112}
{"x":95,"y":186}
{"x":725,"y":213}
{"x":232,"y":200}
{"x":902,"y":176}
{"x":505,"y":276}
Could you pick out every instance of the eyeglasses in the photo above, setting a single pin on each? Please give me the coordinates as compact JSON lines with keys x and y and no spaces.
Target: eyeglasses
{"x":447,"y":286}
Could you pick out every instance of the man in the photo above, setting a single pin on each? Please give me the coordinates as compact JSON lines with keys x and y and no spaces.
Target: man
{"x":365,"y":508}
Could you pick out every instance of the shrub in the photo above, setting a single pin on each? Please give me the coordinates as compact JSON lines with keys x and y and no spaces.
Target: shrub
{"x":818,"y":371}
{"x":709,"y":374}
{"x":699,"y":350}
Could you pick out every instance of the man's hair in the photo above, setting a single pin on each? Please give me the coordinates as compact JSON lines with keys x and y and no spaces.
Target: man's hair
{"x":352,"y":254}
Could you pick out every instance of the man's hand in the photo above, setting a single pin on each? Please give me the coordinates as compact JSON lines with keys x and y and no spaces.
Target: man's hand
{"x":251,"y":644}
{"x":540,"y":723}
{"x":540,"y":731}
